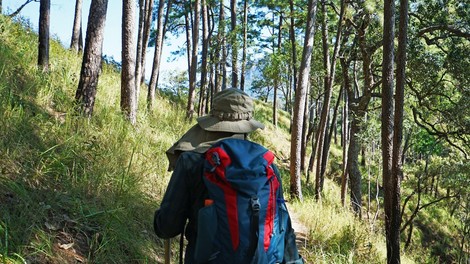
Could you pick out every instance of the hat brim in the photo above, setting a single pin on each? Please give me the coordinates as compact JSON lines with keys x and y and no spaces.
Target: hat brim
{"x":211,"y":123}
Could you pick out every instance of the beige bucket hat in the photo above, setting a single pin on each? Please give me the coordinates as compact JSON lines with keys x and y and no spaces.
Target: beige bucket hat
{"x":232,"y":111}
{"x":230,"y":117}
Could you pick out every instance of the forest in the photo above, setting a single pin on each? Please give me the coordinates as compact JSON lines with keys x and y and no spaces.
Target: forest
{"x":365,"y":102}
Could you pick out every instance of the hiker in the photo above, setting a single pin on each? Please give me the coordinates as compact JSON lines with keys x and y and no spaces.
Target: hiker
{"x":230,"y":118}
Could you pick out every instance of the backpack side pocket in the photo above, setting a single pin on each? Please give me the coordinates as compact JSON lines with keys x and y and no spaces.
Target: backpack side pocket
{"x":206,"y":231}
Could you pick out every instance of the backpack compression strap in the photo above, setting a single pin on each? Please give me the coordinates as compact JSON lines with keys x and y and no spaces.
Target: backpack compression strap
{"x":271,"y":210}
{"x":219,"y":161}
{"x":255,"y":206}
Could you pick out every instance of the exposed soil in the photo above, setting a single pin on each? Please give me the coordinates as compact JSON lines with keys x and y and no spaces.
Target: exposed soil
{"x":301,"y":231}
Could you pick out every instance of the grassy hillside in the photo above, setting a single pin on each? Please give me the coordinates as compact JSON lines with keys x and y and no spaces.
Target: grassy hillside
{"x":75,"y":190}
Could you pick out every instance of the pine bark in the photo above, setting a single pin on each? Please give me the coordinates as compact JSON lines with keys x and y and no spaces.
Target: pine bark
{"x":140,"y":48}
{"x":245,"y":40}
{"x":354,"y":173}
{"x":156,"y":57}
{"x":80,"y":38}
{"x":293,"y":43}
{"x":43,"y":45}
{"x":345,"y":132}
{"x":204,"y":58}
{"x":146,"y":35}
{"x":326,"y":102}
{"x":234,"y":42}
{"x":300,"y":97}
{"x":91,"y":63}
{"x":358,"y":109}
{"x":276,"y":79}
{"x":220,"y":70}
{"x":193,"y":66}
{"x":77,"y":25}
{"x":390,"y":179}
{"x":305,"y":128}
{"x":330,"y":68}
{"x":128,"y":87}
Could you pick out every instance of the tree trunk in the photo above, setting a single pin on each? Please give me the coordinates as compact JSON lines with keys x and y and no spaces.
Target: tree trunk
{"x":128,"y":87}
{"x":392,"y":219}
{"x":80,"y":38}
{"x":156,"y":57}
{"x":140,"y":47}
{"x":354,"y":173}
{"x":358,"y":107}
{"x":330,"y":68}
{"x":294,"y":45}
{"x":146,"y":34}
{"x":275,"y":104}
{"x":314,"y":138}
{"x":220,"y":76}
{"x":212,"y":78}
{"x":43,"y":46}
{"x":303,"y":150}
{"x":204,"y":57}
{"x":345,"y":130}
{"x":77,"y":25}
{"x":234,"y":42}
{"x":408,"y":238}
{"x":245,"y":40}
{"x":328,"y":138}
{"x":276,"y":79}
{"x":91,"y":63}
{"x":399,"y":94}
{"x":300,"y":97}
{"x":326,"y":101}
{"x":397,"y":174}
{"x":193,"y":67}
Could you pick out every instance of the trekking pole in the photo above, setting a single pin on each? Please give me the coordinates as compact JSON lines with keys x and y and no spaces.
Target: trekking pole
{"x":167,"y":251}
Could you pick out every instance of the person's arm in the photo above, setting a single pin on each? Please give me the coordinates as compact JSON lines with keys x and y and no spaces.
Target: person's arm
{"x":171,"y":217}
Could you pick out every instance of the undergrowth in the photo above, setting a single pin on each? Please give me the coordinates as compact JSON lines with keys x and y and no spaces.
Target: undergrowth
{"x":85,"y":190}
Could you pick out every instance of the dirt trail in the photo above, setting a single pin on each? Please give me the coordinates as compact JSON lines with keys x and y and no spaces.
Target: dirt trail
{"x":301,"y":231}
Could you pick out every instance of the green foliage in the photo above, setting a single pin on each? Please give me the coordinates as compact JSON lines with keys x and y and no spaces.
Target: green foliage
{"x":439,"y":64}
{"x":73,"y":189}
{"x":440,"y":185}
{"x":67,"y":184}
{"x":336,"y":235}
{"x":425,"y":143}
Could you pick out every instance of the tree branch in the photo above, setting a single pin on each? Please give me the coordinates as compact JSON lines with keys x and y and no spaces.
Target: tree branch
{"x":438,"y":200}
{"x":21,"y":7}
{"x":449,"y":28}
{"x":419,"y":208}
{"x":432,"y":130}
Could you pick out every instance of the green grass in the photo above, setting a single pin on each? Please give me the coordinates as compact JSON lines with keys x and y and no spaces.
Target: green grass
{"x":94,"y":183}
{"x":73,"y":189}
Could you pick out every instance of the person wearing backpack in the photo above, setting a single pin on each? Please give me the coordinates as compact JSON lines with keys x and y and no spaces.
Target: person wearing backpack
{"x":227,"y":189}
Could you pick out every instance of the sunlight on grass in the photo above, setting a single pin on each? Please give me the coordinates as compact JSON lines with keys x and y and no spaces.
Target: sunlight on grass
{"x":336,"y":236}
{"x":99,"y":181}
{"x":76,"y":189}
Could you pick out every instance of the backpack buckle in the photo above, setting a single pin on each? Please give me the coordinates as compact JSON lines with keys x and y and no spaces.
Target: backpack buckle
{"x":255,"y":205}
{"x":215,"y":161}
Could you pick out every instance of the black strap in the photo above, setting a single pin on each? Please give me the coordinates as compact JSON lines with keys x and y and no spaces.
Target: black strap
{"x":255,"y":207}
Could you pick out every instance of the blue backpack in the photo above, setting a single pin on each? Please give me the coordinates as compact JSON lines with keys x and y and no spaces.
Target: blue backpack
{"x":244,"y":219}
